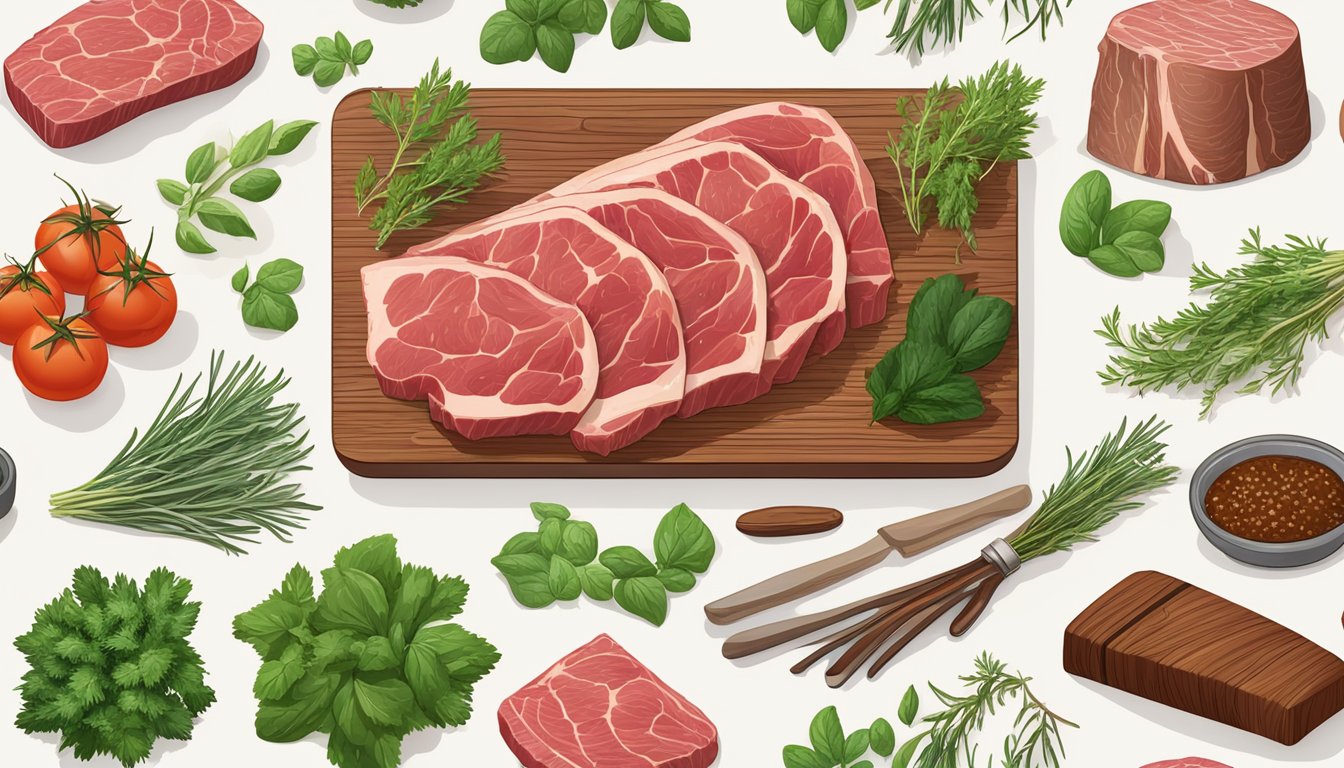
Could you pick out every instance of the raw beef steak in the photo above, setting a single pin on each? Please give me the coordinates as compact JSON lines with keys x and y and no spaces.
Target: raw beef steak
{"x":567,"y":254}
{"x":600,"y":708}
{"x":492,"y":354}
{"x":790,"y":227}
{"x":808,"y":145}
{"x":110,"y":61}
{"x":1188,"y":762}
{"x":1200,"y":91}
{"x":714,"y":276}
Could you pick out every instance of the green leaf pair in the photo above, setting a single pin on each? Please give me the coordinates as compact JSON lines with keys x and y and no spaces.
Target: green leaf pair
{"x":1124,"y":241}
{"x":369,"y":660}
{"x":950,"y":331}
{"x":829,"y":18}
{"x":560,"y":561}
{"x":831,"y":747}
{"x":547,"y":27}
{"x":209,"y":168}
{"x":329,"y":57}
{"x":267,"y":302}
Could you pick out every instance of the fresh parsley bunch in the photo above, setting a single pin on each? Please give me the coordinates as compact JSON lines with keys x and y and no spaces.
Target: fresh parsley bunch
{"x":112,"y":670}
{"x":369,"y":660}
{"x":560,"y":561}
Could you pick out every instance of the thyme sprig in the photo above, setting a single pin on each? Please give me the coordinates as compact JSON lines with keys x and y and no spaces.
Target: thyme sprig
{"x":922,"y":24}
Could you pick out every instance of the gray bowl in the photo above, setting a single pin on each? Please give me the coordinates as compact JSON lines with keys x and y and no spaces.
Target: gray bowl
{"x":1269,"y":555}
{"x":8,"y":479}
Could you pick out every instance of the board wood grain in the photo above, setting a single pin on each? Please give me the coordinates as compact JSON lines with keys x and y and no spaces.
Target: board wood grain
{"x":816,"y":426}
{"x":1160,"y":638}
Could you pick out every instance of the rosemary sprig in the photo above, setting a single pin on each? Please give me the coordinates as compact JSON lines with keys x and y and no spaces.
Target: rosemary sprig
{"x":211,"y":468}
{"x":1255,"y":328}
{"x":424,"y":175}
{"x":922,"y":24}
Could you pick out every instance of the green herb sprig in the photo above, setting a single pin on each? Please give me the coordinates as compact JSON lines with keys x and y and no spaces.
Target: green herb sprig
{"x":328,"y":58}
{"x":267,"y":302}
{"x":213,"y":467}
{"x":922,"y":24}
{"x":548,"y":27}
{"x":437,"y":161}
{"x":210,"y":168}
{"x":953,"y":137}
{"x":560,"y":561}
{"x":111,"y":668}
{"x":1125,"y":241}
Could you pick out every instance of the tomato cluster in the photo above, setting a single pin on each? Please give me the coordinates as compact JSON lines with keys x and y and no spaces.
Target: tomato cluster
{"x":128,"y":301}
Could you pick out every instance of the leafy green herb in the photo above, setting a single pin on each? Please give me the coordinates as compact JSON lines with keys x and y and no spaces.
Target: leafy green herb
{"x":213,"y":467}
{"x":1123,"y":241}
{"x":666,"y":19}
{"x":112,"y":669}
{"x":329,"y":57}
{"x":953,"y":138}
{"x":909,"y":706}
{"x":920,"y":24}
{"x":437,"y":161}
{"x":548,"y":27}
{"x":561,"y":560}
{"x":1255,"y":329}
{"x":210,"y":167}
{"x":367,"y":661}
{"x":267,"y":302}
{"x":828,"y":18}
{"x":950,"y":331}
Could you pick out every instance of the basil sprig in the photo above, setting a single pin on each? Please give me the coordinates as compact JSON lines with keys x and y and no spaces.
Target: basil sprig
{"x":267,"y":302}
{"x":526,"y":28}
{"x":1125,"y":241}
{"x":329,"y":57}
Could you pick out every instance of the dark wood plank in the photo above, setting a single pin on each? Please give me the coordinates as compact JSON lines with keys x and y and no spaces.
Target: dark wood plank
{"x":815,"y":426}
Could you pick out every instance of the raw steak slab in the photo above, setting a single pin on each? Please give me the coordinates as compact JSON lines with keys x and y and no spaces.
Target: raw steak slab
{"x":1200,"y":91}
{"x":600,"y":708}
{"x":492,"y":354}
{"x":791,"y":228}
{"x":714,"y":276}
{"x":109,"y":61}
{"x":626,"y":300}
{"x":809,"y":146}
{"x":1188,"y":762}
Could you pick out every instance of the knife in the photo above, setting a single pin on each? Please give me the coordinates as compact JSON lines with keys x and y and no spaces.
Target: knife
{"x":908,"y":537}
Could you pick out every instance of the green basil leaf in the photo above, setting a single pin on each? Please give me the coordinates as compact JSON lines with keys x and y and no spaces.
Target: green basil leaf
{"x":201,"y":163}
{"x":552,"y":533}
{"x":277,"y":676}
{"x":174,"y":192}
{"x":827,"y":735}
{"x":386,"y":702}
{"x":803,"y":14}
{"x":522,"y":564}
{"x":882,"y":737}
{"x":921,"y":366}
{"x":305,"y":58}
{"x":1113,"y":261}
{"x":556,"y":45}
{"x":251,"y":149}
{"x":268,"y":309}
{"x":584,"y":16}
{"x":832,"y":21}
{"x":362,"y":53}
{"x":979,"y":331}
{"x":281,"y":276}
{"x":627,"y":562}
{"x":1148,"y":216}
{"x":190,"y":239}
{"x":645,"y":597}
{"x":563,"y":579}
{"x":549,"y":9}
{"x":543,"y":510}
{"x":1132,"y":254}
{"x":935,"y":304}
{"x":240,"y":279}
{"x":527,"y":10}
{"x":796,"y":756}
{"x":289,"y":136}
{"x":676,"y":579}
{"x":856,"y":744}
{"x":326,"y":48}
{"x":224,"y":217}
{"x":351,"y":599}
{"x":523,"y":543}
{"x":328,"y":73}
{"x":862,"y":764}
{"x":682,"y":540}
{"x":909,"y":708}
{"x":669,"y":22}
{"x":256,"y":185}
{"x":507,"y":38}
{"x":906,"y":753}
{"x":956,"y":399}
{"x":532,"y":590}
{"x":377,"y":656}
{"x":627,"y":21}
{"x":300,"y":712}
{"x":864,"y":5}
{"x":596,"y":581}
{"x":343,"y":47}
{"x":578,"y":543}
{"x":1085,"y":207}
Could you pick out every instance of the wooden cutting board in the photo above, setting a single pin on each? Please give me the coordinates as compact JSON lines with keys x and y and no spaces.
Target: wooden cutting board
{"x":816,"y":426}
{"x":1160,"y":638}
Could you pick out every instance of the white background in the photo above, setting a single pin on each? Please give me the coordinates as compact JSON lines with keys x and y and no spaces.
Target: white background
{"x":455,"y":526}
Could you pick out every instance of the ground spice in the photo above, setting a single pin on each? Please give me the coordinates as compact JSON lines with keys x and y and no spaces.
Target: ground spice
{"x":1277,"y":499}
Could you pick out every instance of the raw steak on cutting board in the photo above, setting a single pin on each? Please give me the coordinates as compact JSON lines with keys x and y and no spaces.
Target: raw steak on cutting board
{"x":714,"y":276}
{"x":600,"y":708}
{"x":1200,"y":91}
{"x":492,"y":354}
{"x":110,"y":61}
{"x":1188,"y":762}
{"x":626,"y":300}
{"x":791,"y":228}
{"x":808,"y":145}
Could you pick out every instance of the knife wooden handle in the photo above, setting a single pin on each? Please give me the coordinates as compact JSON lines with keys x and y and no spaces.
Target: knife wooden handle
{"x":920,"y":534}
{"x":791,"y":585}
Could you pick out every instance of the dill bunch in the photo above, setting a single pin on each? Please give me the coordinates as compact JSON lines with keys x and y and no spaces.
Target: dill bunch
{"x":1255,"y":329}
{"x":920,"y":24}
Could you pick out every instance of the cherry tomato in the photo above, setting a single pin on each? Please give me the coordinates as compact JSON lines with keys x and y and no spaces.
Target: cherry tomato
{"x":133,"y":304}
{"x":25,"y":295}
{"x":60,"y":359}
{"x":78,"y":241}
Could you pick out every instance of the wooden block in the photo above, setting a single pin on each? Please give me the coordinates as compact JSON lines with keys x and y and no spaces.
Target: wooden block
{"x":1160,"y":638}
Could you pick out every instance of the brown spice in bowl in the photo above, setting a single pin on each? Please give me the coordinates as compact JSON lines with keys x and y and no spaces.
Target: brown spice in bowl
{"x":1277,"y":499}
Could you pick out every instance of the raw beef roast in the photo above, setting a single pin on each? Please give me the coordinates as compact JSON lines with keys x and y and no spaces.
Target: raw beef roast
{"x":1188,"y":762}
{"x":808,"y":145}
{"x":714,"y":276}
{"x":568,"y":255}
{"x":600,"y":708}
{"x":791,"y":228}
{"x":1200,"y":91}
{"x":492,"y":354}
{"x":110,"y":61}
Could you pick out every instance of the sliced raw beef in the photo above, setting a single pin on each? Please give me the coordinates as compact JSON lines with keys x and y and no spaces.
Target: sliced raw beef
{"x":1200,"y":91}
{"x":110,"y":61}
{"x":714,"y":276}
{"x":808,"y":145}
{"x":791,"y":228}
{"x":1188,"y":762}
{"x":600,"y":708}
{"x":567,"y":254}
{"x":492,"y":354}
